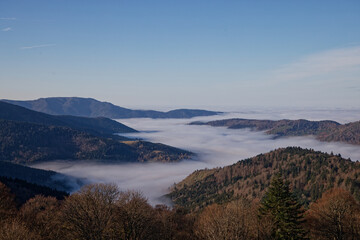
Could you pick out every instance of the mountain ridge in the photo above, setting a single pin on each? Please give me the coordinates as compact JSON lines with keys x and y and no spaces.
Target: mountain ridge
{"x":326,"y":130}
{"x":90,"y":107}
{"x":97,"y":126}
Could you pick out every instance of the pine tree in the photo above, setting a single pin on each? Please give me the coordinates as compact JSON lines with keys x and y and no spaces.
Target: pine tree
{"x":285,"y":212}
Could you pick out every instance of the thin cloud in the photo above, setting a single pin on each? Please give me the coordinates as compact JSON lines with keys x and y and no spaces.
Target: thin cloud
{"x":344,"y":59}
{"x":4,"y":18}
{"x":6,"y":29}
{"x":38,"y":46}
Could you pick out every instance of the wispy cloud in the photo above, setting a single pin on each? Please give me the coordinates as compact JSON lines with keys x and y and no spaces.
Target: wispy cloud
{"x":8,"y":18}
{"x":38,"y":46}
{"x":6,"y":29}
{"x":320,"y":64}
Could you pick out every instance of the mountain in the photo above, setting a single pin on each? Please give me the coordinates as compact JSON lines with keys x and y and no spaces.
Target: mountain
{"x":46,"y":178}
{"x":309,"y":172}
{"x":323,"y":130}
{"x":88,"y":107}
{"x":95,"y":126}
{"x":26,"y":182}
{"x":23,"y":190}
{"x":22,"y":142}
{"x":349,"y":133}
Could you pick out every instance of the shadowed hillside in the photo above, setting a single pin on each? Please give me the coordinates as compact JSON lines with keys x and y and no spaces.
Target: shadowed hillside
{"x":23,"y":190}
{"x":97,"y":126}
{"x":26,"y":143}
{"x":38,"y":176}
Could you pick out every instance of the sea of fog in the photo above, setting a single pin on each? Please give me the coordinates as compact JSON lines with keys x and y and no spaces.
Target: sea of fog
{"x":213,"y":146}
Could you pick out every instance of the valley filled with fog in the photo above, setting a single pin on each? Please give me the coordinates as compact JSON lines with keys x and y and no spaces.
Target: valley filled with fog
{"x":213,"y":146}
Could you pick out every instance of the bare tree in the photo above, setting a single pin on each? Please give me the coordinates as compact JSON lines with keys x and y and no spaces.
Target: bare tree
{"x":335,"y":216}
{"x":136,"y":216}
{"x":232,"y":221}
{"x":16,"y":230}
{"x":91,"y":213}
{"x":41,"y":214}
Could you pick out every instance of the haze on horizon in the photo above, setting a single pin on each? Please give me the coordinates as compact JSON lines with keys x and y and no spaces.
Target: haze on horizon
{"x":183,"y":53}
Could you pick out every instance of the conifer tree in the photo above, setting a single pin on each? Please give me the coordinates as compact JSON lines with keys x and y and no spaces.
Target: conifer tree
{"x":286,"y":213}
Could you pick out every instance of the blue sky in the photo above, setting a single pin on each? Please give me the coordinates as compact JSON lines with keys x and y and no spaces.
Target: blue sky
{"x":183,"y":53}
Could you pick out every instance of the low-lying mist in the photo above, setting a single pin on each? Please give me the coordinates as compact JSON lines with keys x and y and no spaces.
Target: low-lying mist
{"x":214,"y":146}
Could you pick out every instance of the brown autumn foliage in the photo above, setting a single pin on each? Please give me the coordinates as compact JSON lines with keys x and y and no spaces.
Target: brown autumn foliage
{"x":91,"y":213}
{"x":135,"y":216}
{"x":7,"y":203}
{"x":101,"y":211}
{"x":41,"y":215}
{"x":176,"y":224}
{"x":309,"y":172}
{"x":335,"y":216}
{"x":235,"y":220}
{"x":16,"y":230}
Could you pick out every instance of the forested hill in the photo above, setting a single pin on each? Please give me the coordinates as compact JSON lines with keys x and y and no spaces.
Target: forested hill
{"x":91,"y":125}
{"x":23,"y":190}
{"x":47,"y":178}
{"x":323,"y":130}
{"x":22,"y":142}
{"x":310,"y":173}
{"x":89,"y":107}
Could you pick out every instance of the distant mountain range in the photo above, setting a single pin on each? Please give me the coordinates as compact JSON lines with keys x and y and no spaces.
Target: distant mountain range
{"x":309,"y":172}
{"x":89,"y":107}
{"x":96,"y":126}
{"x":28,"y":136}
{"x":323,"y":130}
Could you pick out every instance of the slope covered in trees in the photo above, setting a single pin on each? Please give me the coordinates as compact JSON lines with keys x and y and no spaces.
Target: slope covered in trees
{"x":309,"y":172}
{"x":89,"y":107}
{"x":23,"y":190}
{"x":323,"y":130}
{"x":38,"y":176}
{"x":26,"y":143}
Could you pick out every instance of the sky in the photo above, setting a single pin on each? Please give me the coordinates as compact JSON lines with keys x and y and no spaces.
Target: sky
{"x":200,"y":53}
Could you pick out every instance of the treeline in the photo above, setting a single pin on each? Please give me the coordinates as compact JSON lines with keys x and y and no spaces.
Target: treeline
{"x":101,"y":211}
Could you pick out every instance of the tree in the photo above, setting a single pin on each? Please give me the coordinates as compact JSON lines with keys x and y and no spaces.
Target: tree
{"x":7,"y":203}
{"x":281,"y":206}
{"x":231,"y":221}
{"x":136,"y":217}
{"x":176,"y":223}
{"x":91,"y":213}
{"x":16,"y":230}
{"x":40,"y":214}
{"x":336,"y":215}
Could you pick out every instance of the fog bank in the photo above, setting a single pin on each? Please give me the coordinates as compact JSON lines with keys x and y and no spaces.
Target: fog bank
{"x":214,"y":146}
